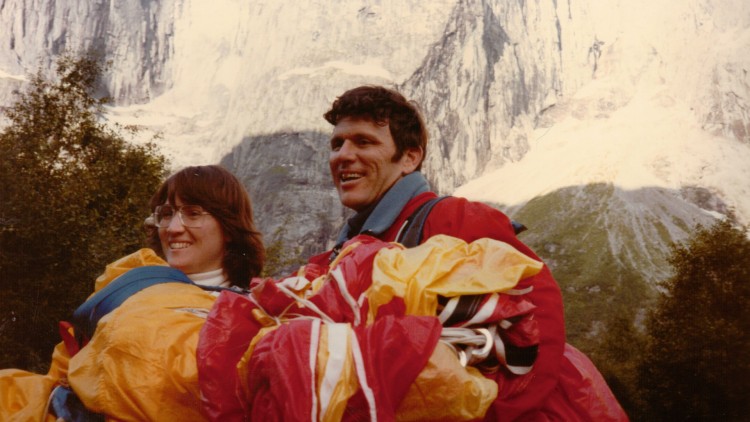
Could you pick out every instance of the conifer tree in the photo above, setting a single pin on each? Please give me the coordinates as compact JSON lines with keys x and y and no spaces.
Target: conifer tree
{"x":73,"y":196}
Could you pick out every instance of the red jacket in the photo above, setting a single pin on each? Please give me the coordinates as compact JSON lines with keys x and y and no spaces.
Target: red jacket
{"x":519,"y":397}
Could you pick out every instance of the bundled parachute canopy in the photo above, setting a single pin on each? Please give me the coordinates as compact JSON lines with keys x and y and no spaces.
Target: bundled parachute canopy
{"x":363,"y":337}
{"x":383,"y":333}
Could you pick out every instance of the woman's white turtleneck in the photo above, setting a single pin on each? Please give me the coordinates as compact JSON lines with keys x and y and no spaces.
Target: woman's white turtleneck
{"x":215,"y":278}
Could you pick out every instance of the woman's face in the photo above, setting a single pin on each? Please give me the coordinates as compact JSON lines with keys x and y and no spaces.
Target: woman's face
{"x":193,"y":250}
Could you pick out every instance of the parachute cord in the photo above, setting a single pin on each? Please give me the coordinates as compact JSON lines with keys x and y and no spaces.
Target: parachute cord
{"x":305,"y":303}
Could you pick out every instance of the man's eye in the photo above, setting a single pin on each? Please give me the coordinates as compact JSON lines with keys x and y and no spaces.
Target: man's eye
{"x":336,"y":144}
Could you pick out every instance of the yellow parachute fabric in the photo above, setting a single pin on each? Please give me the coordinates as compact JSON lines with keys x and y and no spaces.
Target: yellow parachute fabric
{"x":23,"y":394}
{"x":141,"y":363}
{"x":444,"y":390}
{"x":445,"y":266}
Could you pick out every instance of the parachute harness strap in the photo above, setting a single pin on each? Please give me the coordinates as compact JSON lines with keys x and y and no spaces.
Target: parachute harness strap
{"x":472,"y":345}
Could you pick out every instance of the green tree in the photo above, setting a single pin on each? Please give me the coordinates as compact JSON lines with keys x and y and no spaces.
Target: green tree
{"x":616,"y":358}
{"x":281,"y":258}
{"x":696,"y":365}
{"x":73,"y":196}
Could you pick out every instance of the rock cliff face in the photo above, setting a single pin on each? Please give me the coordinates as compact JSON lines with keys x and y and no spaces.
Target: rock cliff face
{"x":495,"y":67}
{"x":534,"y":106}
{"x":491,"y":69}
{"x":208,"y":77}
{"x":294,"y":200}
{"x":137,"y":37}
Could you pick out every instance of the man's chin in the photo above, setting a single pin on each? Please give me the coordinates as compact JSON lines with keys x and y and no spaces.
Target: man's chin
{"x":352,"y":203}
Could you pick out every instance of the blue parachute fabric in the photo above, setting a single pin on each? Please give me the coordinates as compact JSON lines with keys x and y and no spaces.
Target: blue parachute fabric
{"x":68,"y":407}
{"x":115,"y":293}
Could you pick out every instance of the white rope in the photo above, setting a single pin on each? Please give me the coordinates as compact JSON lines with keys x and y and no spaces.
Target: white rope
{"x":518,"y":292}
{"x":484,"y":312}
{"x":304,"y":302}
{"x":339,"y":277}
{"x":472,"y":345}
{"x":448,"y":309}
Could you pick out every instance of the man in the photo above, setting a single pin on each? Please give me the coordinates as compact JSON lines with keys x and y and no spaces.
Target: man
{"x":377,"y":146}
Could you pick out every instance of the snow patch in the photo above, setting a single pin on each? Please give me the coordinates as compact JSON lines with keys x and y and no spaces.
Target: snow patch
{"x":5,"y":75}
{"x":638,"y":123}
{"x":370,"y":68}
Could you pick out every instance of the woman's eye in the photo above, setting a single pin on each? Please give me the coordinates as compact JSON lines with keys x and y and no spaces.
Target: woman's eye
{"x":191,"y":212}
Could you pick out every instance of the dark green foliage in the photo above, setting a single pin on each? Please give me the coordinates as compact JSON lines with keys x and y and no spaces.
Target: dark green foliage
{"x":607,"y":257}
{"x":73,"y":196}
{"x":697,"y":362}
{"x":281,"y":258}
{"x":617,"y":356}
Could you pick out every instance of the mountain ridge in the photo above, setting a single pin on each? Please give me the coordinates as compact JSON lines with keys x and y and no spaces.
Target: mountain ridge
{"x":637,"y":109}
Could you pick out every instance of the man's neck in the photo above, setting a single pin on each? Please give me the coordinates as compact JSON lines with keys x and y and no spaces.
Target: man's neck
{"x":378,"y":217}
{"x":358,"y":220}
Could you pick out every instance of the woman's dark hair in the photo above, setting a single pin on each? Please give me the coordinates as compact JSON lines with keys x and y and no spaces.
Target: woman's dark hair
{"x":221,"y":194}
{"x":383,"y":106}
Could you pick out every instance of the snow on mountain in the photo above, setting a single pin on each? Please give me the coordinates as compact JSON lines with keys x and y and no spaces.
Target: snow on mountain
{"x":652,"y":141}
{"x":610,"y":127}
{"x":242,"y":69}
{"x":555,"y":94}
{"x":656,"y":113}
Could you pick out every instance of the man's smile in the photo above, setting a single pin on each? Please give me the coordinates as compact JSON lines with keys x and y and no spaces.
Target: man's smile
{"x":349,"y":176}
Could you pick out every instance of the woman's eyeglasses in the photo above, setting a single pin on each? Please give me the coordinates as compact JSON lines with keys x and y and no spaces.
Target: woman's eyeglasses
{"x":189,"y":215}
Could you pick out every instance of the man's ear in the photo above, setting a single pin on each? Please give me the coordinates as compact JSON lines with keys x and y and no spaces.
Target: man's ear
{"x":411,"y":159}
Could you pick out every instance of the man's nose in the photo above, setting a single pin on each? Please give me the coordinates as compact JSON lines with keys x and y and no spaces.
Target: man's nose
{"x":347,"y":150}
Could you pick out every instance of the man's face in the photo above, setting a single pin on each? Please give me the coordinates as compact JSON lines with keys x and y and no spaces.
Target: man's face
{"x":362,"y":162}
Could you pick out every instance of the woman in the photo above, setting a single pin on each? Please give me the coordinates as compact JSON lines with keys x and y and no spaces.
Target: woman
{"x":140,"y":362}
{"x":214,"y":229}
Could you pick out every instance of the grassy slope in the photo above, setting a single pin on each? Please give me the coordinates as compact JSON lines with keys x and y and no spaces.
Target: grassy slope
{"x":606,"y":248}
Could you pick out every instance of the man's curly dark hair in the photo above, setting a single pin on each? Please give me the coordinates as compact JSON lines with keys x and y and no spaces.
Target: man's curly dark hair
{"x":383,"y":106}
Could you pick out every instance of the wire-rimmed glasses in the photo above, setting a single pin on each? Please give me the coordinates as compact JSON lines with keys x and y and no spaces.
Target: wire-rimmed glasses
{"x":189,"y":215}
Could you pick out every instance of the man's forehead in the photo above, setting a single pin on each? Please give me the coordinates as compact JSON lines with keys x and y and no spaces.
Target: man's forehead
{"x":359,"y":124}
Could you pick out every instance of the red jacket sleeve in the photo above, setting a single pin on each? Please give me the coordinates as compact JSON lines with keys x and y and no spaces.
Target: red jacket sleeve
{"x":518,"y":396}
